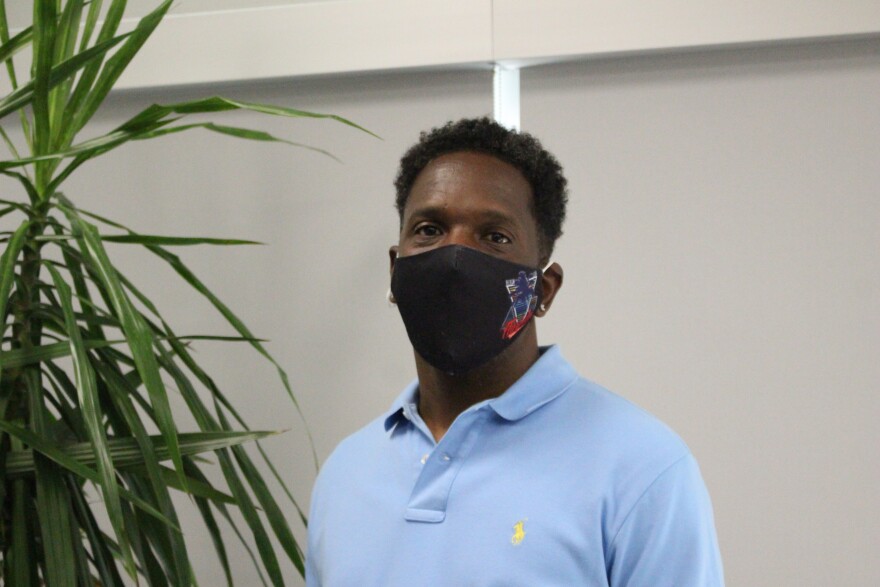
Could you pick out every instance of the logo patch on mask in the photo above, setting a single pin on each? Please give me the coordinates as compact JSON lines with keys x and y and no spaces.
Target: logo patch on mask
{"x":522,"y":303}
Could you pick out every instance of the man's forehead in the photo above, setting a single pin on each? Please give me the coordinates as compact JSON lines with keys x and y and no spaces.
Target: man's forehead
{"x":450,"y":165}
{"x":468,"y":180}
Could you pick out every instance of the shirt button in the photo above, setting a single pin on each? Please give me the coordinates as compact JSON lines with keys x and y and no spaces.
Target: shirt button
{"x":424,"y":459}
{"x":446,"y":457}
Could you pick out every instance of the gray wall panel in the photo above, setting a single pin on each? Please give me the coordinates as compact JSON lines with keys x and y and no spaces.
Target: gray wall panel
{"x":723,"y":272}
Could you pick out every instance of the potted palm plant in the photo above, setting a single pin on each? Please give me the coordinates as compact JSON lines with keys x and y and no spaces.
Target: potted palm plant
{"x":86,"y":357}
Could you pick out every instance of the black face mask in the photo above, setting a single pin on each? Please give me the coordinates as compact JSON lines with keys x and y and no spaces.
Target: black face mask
{"x":462,"y":307}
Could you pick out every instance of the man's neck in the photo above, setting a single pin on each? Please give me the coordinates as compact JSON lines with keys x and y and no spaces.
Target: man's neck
{"x":442,"y":397}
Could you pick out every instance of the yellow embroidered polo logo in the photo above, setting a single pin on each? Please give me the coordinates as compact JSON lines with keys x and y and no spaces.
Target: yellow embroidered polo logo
{"x":519,"y":533}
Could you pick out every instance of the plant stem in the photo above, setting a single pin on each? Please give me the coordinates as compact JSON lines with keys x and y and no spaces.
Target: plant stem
{"x":26,"y":328}
{"x":26,"y":334}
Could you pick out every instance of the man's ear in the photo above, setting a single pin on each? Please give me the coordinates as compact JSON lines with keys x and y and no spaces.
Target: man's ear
{"x":551,"y":282}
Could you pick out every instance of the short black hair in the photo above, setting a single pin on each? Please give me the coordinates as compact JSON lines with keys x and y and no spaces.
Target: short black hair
{"x":519,"y":149}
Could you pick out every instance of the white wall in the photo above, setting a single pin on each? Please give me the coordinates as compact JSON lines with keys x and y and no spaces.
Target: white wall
{"x":236,"y":40}
{"x":720,"y":254}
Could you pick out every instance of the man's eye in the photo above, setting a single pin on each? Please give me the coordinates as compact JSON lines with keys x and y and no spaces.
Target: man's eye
{"x":427,"y":230}
{"x":498,"y":238}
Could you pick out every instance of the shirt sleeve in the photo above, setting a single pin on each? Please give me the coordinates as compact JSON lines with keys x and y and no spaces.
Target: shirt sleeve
{"x":312,"y":575}
{"x":668,"y":539}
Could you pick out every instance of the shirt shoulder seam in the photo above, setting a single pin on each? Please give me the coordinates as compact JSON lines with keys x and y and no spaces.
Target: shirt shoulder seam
{"x":644,"y":493}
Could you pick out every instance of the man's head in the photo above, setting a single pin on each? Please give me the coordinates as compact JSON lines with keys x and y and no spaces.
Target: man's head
{"x":540,"y":170}
{"x":480,"y":209}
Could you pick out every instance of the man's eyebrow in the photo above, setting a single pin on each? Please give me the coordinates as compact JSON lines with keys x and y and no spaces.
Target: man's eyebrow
{"x":485,"y":215}
{"x":498,"y":216}
{"x":426,"y":211}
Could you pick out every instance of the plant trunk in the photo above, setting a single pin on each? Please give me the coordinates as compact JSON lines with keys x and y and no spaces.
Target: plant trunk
{"x":26,"y":334}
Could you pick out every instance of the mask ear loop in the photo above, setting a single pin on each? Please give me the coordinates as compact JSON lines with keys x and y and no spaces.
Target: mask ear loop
{"x":388,"y":295}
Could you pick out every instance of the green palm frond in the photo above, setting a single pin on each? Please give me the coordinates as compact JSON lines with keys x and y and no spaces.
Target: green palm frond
{"x":87,"y":360}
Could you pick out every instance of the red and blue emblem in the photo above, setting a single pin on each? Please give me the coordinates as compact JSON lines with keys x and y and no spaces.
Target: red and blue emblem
{"x":523,"y":301}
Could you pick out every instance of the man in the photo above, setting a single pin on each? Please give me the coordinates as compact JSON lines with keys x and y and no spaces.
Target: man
{"x":500,"y":466}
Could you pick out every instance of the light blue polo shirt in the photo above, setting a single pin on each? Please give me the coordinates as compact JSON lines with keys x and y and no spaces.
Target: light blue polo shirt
{"x":557,"y":482}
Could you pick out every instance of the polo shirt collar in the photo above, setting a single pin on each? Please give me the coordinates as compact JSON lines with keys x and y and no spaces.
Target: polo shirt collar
{"x":546,"y":380}
{"x":404,"y":406}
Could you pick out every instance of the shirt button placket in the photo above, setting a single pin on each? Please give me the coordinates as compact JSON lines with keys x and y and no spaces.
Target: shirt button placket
{"x":429,"y":497}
